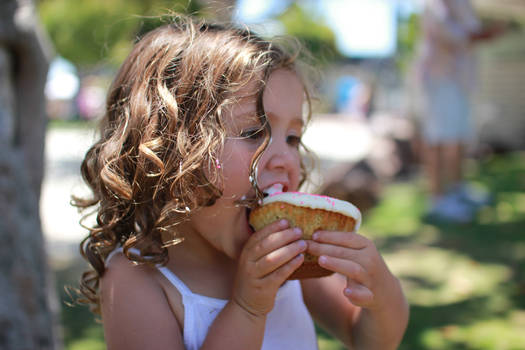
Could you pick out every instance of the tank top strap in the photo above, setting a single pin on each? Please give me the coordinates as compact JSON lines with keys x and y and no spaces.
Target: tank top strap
{"x":177,"y":282}
{"x":112,"y":254}
{"x":181,"y":287}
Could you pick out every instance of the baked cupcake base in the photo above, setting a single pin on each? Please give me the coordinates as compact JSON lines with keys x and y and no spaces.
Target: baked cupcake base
{"x":309,"y":220}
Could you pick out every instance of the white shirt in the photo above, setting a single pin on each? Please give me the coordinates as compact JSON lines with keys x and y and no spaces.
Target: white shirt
{"x":288,"y":326}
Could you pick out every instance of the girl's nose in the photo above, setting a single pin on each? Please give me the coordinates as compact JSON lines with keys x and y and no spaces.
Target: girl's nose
{"x":281,"y":157}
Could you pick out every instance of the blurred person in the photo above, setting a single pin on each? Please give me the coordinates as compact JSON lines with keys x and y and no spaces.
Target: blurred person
{"x":446,"y":75}
{"x":353,"y":97}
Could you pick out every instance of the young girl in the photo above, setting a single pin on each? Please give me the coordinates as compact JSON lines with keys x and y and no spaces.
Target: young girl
{"x":199,"y":119}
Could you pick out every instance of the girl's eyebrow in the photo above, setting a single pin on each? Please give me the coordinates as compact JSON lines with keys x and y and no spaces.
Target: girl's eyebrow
{"x":247,"y":119}
{"x":295,"y":121}
{"x":247,"y":112}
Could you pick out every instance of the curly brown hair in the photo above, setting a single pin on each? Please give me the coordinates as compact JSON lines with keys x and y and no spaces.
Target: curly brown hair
{"x":161,"y":134}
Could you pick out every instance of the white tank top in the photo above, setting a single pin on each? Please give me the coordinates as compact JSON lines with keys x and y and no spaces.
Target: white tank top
{"x":288,"y":326}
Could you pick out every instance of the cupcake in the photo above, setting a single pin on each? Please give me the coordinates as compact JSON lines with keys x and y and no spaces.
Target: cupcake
{"x":311,"y":213}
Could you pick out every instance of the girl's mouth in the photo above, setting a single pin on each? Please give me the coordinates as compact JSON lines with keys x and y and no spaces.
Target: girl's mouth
{"x":251,"y":202}
{"x":274,"y":189}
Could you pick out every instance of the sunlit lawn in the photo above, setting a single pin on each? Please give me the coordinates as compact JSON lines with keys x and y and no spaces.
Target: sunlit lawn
{"x":465,"y":283}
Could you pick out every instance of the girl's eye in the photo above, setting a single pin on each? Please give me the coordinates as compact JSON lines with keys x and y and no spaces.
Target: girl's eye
{"x":252,"y":134}
{"x":293,"y":140}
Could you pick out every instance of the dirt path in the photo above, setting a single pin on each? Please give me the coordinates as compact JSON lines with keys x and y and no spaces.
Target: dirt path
{"x":65,"y":148}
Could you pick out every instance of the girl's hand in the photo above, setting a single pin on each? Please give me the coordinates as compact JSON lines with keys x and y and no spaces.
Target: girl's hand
{"x":368,"y":279}
{"x":268,"y":258}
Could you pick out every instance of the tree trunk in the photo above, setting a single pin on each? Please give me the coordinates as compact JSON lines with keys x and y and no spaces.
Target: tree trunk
{"x":26,"y":317}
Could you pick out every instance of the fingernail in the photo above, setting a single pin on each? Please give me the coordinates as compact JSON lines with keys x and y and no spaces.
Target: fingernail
{"x":347,"y":292}
{"x":283,"y":223}
{"x":302,"y":244}
{"x":298,"y":231}
{"x":322,"y":259}
{"x":315,"y":236}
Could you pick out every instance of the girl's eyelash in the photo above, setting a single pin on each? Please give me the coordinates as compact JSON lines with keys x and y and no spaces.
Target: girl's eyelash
{"x":253,"y":134}
{"x":256,"y":133}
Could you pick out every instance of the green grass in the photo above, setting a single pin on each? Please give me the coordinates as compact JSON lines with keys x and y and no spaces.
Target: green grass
{"x":81,"y":331}
{"x":465,"y":283}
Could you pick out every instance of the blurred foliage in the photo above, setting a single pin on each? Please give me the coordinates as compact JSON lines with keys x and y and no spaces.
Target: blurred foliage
{"x":89,"y":32}
{"x":99,"y":31}
{"x":317,"y":37}
{"x":407,"y":38}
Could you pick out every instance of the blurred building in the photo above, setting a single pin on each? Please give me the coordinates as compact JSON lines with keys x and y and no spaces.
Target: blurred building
{"x":500,"y":100}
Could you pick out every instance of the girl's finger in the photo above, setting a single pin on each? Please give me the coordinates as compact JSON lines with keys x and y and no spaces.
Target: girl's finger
{"x":276,"y":226}
{"x":347,"y":268}
{"x":274,"y":241}
{"x":279,"y":257}
{"x":280,"y":275}
{"x":345,"y":239}
{"x":358,"y":294}
{"x":335,"y":251}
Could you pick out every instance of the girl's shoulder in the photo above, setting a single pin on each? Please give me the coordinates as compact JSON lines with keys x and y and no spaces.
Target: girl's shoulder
{"x":120,"y":268}
{"x":126,"y":282}
{"x":133,"y":302}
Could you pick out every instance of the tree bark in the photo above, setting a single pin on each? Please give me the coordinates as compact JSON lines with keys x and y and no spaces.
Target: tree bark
{"x":26,"y":295}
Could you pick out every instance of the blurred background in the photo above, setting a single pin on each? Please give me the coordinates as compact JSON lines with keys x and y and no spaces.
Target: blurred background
{"x":465,"y":281}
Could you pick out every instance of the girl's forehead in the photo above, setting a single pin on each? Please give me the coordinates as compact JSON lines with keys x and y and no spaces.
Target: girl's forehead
{"x":241,"y":113}
{"x":246,"y":105}
{"x":283,"y":95}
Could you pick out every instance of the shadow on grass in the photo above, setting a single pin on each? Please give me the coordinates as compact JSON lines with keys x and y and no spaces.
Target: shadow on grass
{"x":81,"y":331}
{"x":465,"y":283}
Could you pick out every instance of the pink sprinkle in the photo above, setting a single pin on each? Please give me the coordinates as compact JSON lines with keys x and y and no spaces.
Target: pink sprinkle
{"x":218,"y":164}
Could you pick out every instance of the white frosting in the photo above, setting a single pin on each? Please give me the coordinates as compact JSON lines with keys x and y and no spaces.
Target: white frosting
{"x":316,"y":201}
{"x":275,"y":188}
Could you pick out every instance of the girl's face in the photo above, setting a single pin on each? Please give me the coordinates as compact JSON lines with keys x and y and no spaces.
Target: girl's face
{"x":225,"y":225}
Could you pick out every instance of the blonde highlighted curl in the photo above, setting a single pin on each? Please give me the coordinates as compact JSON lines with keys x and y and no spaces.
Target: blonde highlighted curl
{"x":161,"y":134}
